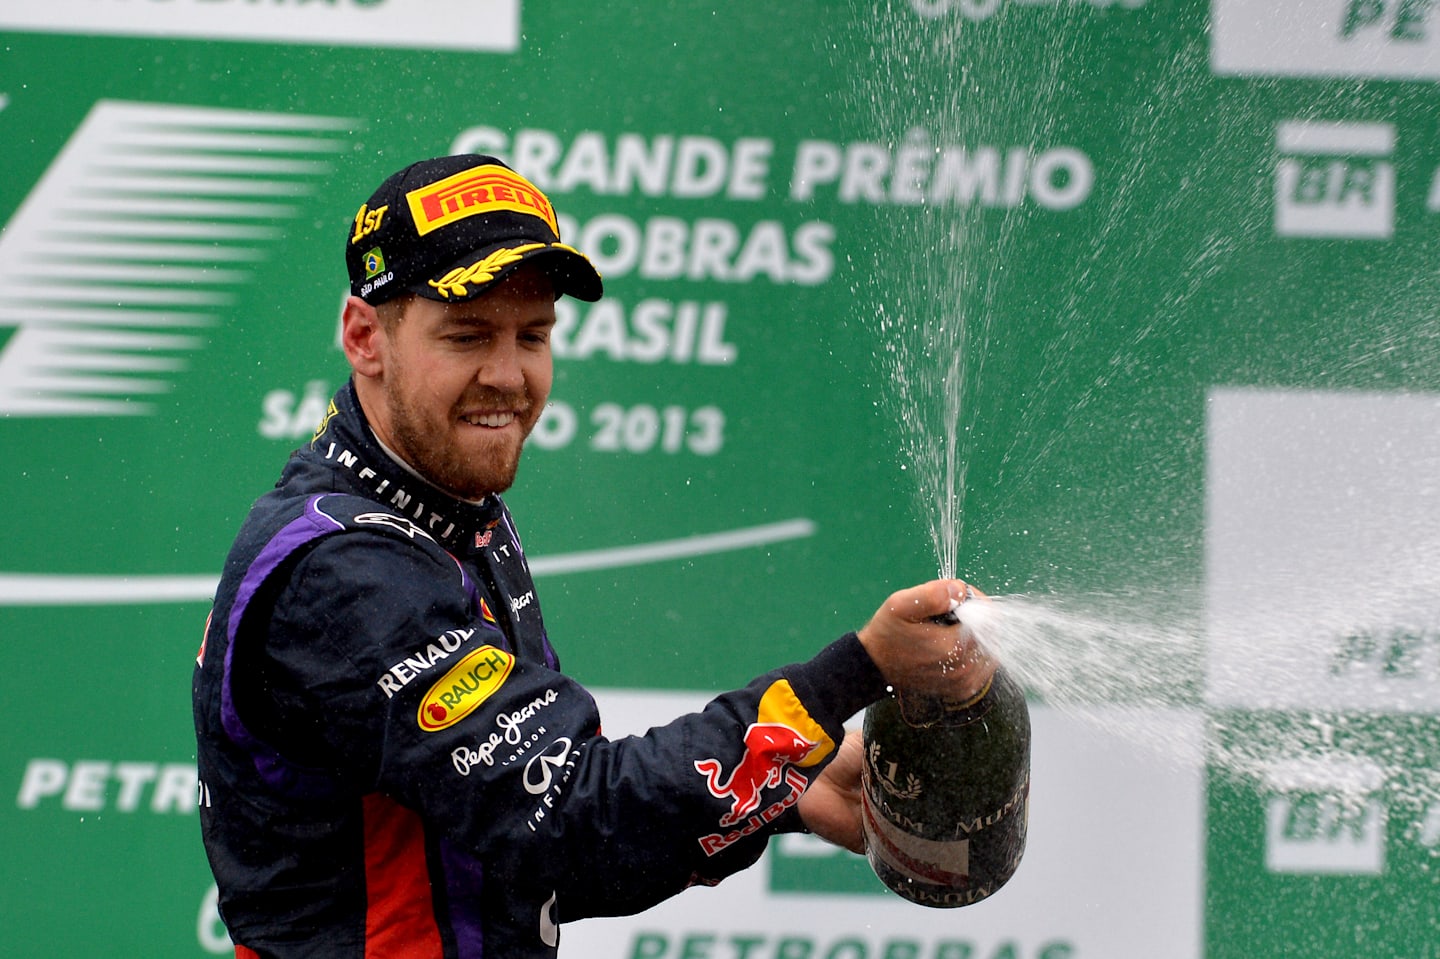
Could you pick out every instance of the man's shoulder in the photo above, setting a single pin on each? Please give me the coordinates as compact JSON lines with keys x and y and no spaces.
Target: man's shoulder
{"x":281,"y":512}
{"x":352,"y":564}
{"x":360,"y":514}
{"x":338,"y":532}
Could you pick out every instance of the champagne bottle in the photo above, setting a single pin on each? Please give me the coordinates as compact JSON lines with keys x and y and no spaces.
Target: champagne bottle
{"x":945,"y":792}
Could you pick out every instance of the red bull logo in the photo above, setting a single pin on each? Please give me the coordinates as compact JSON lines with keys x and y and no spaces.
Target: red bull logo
{"x":769,"y":748}
{"x":716,"y":841}
{"x":783,"y":735}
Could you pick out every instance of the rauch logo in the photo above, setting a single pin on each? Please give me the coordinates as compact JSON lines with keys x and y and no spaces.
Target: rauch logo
{"x":460,"y":691}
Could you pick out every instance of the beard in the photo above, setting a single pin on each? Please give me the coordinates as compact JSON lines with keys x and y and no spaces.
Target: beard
{"x":428,"y":445}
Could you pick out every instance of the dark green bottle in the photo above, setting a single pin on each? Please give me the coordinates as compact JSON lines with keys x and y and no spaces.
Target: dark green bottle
{"x":945,"y":793}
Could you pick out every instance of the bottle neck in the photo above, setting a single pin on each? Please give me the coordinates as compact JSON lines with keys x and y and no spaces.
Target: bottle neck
{"x":922,"y":711}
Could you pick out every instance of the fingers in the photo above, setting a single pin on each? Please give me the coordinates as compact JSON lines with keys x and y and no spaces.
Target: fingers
{"x":920,"y":603}
{"x":830,"y":808}
{"x":915,"y":652}
{"x":848,"y":760}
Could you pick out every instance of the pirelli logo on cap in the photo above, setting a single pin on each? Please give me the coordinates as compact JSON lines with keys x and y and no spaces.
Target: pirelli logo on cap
{"x":483,"y":189}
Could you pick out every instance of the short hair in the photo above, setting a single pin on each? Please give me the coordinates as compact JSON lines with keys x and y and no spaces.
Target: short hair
{"x":391,"y":311}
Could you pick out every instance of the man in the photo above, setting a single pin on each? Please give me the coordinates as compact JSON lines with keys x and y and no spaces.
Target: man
{"x":391,"y":762}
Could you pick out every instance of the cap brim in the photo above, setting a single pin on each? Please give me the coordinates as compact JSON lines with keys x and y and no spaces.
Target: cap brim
{"x":570,"y":271}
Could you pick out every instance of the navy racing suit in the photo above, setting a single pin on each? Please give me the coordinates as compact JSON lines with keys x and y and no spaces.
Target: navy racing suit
{"x":392,"y":763}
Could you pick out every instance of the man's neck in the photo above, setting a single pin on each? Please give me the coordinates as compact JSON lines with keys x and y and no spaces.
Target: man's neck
{"x":369,"y":417}
{"x":401,"y":462}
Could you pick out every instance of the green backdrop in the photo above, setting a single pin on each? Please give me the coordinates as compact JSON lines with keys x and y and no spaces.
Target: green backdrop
{"x":1078,"y":245}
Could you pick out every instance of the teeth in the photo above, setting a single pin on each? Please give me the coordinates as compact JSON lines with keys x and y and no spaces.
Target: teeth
{"x":490,"y":419}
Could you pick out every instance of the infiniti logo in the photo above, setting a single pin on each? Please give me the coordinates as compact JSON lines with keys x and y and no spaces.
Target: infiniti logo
{"x":540,"y":771}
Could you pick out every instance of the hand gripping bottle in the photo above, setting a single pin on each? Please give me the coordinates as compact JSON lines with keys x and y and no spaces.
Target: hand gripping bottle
{"x":945,"y":791}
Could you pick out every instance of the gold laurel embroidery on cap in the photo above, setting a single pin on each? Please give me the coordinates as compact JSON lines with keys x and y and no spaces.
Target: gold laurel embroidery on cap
{"x":570,"y":249}
{"x":481,"y":271}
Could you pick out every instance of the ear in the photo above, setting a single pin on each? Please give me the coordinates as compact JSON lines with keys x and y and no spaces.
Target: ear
{"x":362,"y":337}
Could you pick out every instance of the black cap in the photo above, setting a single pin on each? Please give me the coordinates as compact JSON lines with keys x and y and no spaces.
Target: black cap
{"x":449,"y":228}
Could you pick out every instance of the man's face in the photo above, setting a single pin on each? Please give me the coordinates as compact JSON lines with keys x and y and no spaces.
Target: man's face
{"x":464,"y":383}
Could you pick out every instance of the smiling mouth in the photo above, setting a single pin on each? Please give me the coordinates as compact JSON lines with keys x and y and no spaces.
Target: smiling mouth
{"x":492,"y":420}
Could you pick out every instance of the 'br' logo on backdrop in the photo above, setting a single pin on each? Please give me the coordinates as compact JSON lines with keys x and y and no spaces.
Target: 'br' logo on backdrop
{"x":1326,"y":818}
{"x":1335,"y":180}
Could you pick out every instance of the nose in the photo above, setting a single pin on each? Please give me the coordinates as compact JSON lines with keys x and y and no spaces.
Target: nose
{"x":501,"y":367}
